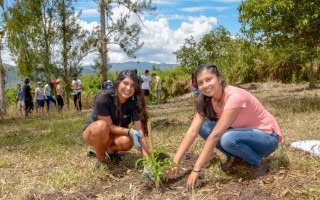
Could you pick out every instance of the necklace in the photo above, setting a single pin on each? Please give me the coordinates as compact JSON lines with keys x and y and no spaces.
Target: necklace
{"x":220,"y":96}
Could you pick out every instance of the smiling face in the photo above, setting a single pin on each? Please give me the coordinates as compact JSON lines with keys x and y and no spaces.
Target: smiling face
{"x":126,"y":89}
{"x":209,"y":84}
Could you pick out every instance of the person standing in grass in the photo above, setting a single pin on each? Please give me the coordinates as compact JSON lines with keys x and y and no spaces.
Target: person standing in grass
{"x":76,"y":86}
{"x":28,"y":105}
{"x":39,"y":97}
{"x":20,"y":99}
{"x":146,"y":85}
{"x":157,"y":87}
{"x":48,"y":96}
{"x":107,"y":128}
{"x":231,"y":120}
{"x":59,"y":95}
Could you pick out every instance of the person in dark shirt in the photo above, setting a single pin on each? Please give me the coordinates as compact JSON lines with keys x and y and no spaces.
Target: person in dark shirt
{"x":27,"y":97}
{"x":107,"y":128}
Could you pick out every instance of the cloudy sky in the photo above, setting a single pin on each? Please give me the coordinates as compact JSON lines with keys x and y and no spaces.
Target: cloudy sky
{"x":166,"y":30}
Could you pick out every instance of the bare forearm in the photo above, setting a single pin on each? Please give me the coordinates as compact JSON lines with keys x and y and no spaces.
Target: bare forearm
{"x":118,"y":130}
{"x":184,"y":146}
{"x":205,"y":153}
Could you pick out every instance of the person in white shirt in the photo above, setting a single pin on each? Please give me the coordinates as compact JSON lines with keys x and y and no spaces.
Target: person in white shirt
{"x":146,"y":85}
{"x":76,"y":87}
{"x":39,"y":98}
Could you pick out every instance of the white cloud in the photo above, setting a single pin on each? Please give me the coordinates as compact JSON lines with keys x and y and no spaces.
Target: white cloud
{"x":221,"y":1}
{"x":6,"y":58}
{"x":163,"y":2}
{"x":203,"y":8}
{"x":90,"y":12}
{"x":160,"y":40}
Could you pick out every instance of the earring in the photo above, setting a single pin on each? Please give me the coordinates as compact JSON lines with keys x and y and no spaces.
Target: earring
{"x":116,"y":92}
{"x":132,"y":97}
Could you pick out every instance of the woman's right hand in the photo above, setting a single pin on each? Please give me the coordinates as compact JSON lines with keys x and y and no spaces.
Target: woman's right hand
{"x":171,"y":173}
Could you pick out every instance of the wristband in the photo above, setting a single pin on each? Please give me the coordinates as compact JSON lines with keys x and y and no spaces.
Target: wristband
{"x":129,"y":132}
{"x":197,"y":171}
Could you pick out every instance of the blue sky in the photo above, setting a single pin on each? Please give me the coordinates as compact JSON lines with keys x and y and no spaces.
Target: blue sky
{"x":173,"y":22}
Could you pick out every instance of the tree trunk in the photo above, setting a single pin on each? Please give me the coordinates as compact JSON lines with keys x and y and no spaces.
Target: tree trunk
{"x":65,"y":54}
{"x":2,"y":96}
{"x":103,"y":48}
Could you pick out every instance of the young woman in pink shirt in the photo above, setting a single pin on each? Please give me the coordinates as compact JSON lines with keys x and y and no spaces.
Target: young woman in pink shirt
{"x":231,"y":120}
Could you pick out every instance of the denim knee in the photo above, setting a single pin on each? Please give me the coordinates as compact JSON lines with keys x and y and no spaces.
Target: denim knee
{"x":206,"y":128}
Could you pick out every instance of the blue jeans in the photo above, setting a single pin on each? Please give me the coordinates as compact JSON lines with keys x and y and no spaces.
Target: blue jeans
{"x":50,"y":98}
{"x":246,"y":143}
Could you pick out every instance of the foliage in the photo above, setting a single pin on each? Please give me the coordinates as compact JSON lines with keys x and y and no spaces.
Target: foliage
{"x":188,"y":55}
{"x":123,"y":32}
{"x":288,"y":24}
{"x":156,"y":164}
{"x":30,"y":38}
{"x":76,"y":43}
{"x":46,"y":39}
{"x":10,"y":96}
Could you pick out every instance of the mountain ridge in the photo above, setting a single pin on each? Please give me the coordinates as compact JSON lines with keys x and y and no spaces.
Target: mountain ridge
{"x":12,"y":78}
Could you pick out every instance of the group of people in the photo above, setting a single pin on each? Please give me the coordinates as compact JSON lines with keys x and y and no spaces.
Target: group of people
{"x":226,"y":117}
{"x":146,"y":86}
{"x":42,"y":95}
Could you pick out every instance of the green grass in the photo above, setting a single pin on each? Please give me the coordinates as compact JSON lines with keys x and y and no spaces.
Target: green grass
{"x":45,"y":157}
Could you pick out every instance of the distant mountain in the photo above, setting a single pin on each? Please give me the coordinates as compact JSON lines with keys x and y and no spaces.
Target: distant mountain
{"x":141,"y":67}
{"x":12,"y":78}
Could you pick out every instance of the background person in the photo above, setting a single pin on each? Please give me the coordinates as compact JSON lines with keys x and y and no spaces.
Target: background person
{"x":194,"y":85}
{"x":76,"y":86}
{"x":48,"y":97}
{"x":146,"y":85}
{"x":107,"y":128}
{"x":106,"y":85}
{"x":20,"y":98}
{"x":39,"y":98}
{"x":59,"y":95}
{"x":232,"y":120}
{"x":157,"y":87}
{"x":28,"y":105}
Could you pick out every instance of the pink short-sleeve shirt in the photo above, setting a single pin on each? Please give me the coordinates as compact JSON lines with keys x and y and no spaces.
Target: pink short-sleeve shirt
{"x":252,"y":114}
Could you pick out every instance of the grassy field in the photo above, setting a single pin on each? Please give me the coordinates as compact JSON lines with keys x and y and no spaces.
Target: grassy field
{"x":45,"y":157}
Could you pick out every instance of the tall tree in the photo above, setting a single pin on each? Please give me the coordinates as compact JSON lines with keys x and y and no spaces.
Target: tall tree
{"x":188,"y":54}
{"x":213,"y":45}
{"x":75,"y":43}
{"x":30,"y":37}
{"x":119,"y":31}
{"x":284,"y":23}
{"x":3,"y":18}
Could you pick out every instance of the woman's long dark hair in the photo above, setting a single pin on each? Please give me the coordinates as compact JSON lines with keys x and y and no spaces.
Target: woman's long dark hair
{"x":137,"y":98}
{"x":203,"y":103}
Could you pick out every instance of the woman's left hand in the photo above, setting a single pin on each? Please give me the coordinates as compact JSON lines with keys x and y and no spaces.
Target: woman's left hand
{"x":192,"y":179}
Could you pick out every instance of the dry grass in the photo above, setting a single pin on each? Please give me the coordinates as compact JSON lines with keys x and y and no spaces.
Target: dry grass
{"x":45,"y":158}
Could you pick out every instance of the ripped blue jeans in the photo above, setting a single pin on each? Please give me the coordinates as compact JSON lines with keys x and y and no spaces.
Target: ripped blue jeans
{"x":246,"y":143}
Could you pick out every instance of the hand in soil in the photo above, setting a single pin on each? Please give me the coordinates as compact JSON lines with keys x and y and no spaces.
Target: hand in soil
{"x":171,"y":173}
{"x":192,"y":180}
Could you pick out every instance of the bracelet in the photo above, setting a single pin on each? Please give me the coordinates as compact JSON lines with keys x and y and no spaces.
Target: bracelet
{"x":129,"y":132}
{"x":197,"y":171}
